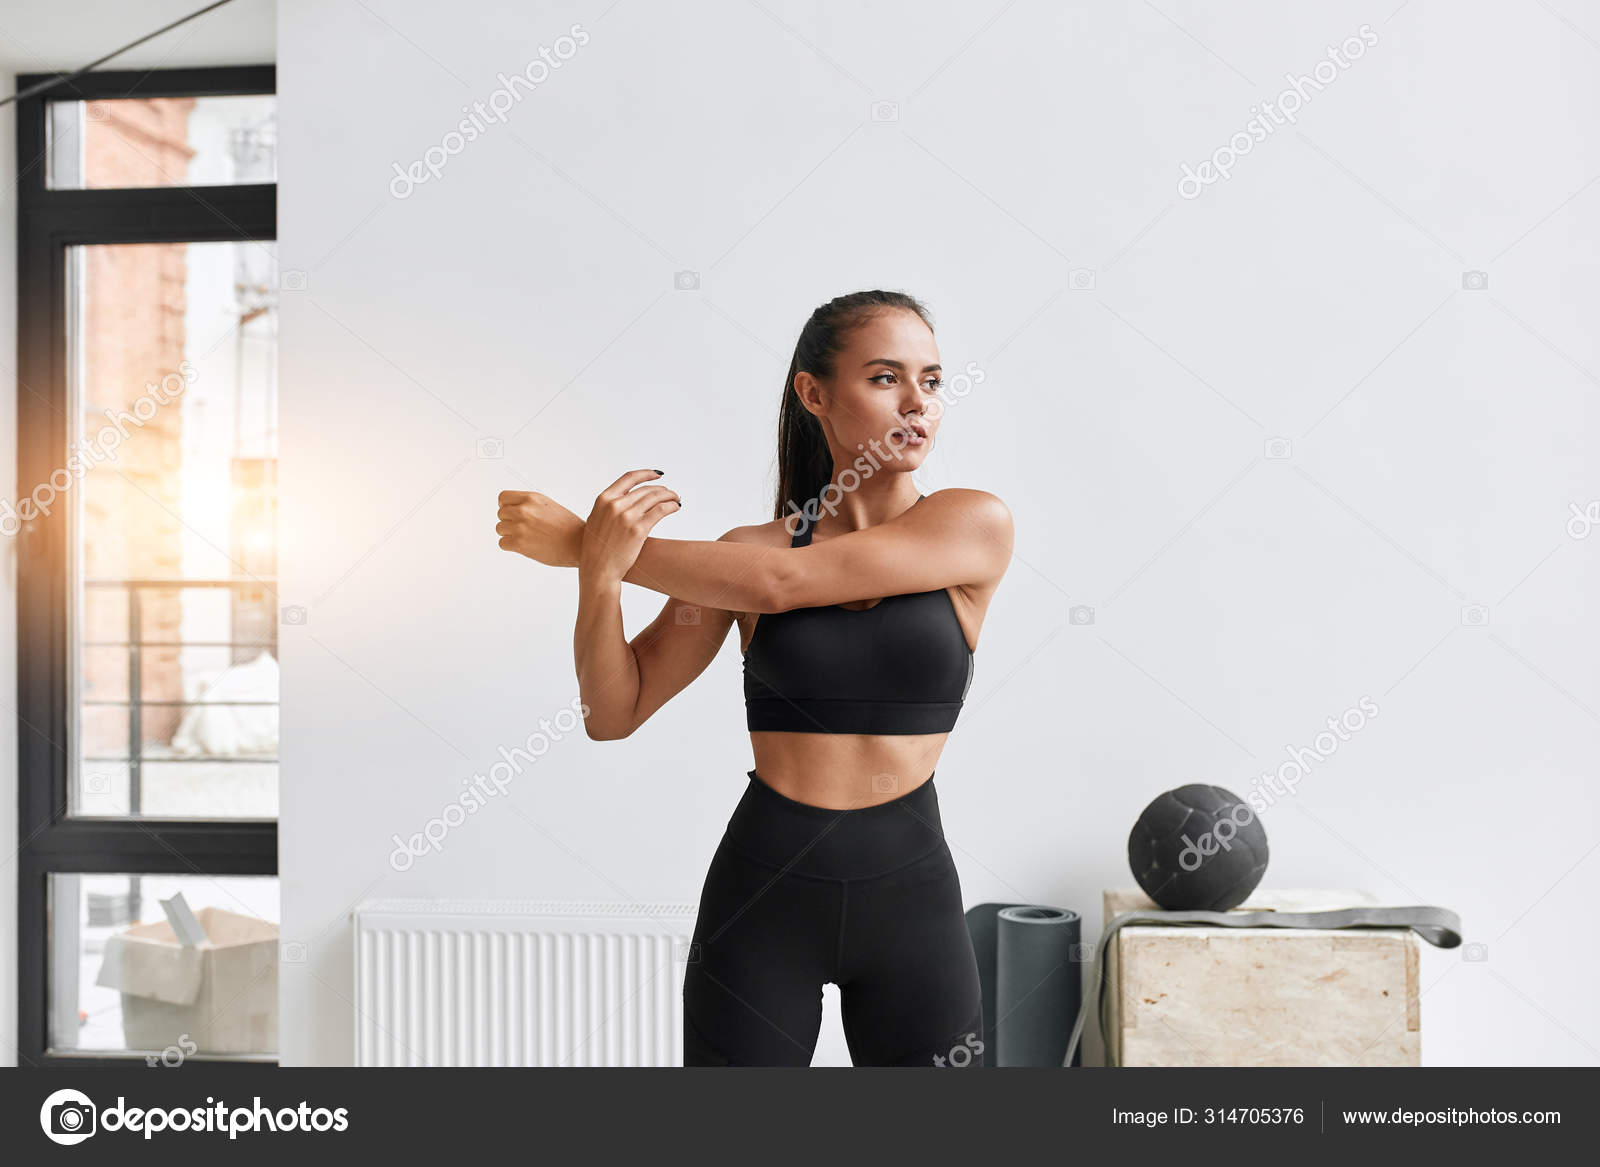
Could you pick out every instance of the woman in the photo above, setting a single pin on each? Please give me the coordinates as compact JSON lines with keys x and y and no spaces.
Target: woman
{"x":858,"y":609}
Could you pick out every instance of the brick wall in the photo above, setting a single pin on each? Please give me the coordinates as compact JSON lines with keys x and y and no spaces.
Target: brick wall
{"x":134,"y":335}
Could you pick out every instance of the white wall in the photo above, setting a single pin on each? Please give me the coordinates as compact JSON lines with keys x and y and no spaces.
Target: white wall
{"x":1437,"y":436}
{"x":39,"y":36}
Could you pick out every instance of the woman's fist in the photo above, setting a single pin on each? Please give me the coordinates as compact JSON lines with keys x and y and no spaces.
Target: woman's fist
{"x":537,"y":526}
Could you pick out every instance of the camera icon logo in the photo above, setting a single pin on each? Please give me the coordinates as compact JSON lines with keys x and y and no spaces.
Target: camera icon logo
{"x":98,"y":111}
{"x":1475,"y":281}
{"x":1475,"y":615}
{"x":1277,"y":449}
{"x":68,"y":1117}
{"x":292,"y":952}
{"x":292,"y":280}
{"x":1080,"y":614}
{"x":491,"y":448}
{"x":885,"y":111}
{"x":1475,"y":953}
{"x":1081,"y":279}
{"x":292,"y":614}
{"x":686,"y":281}
{"x":686,"y":614}
{"x":1082,"y":953}
{"x":688,"y":953}
{"x":885,"y":784}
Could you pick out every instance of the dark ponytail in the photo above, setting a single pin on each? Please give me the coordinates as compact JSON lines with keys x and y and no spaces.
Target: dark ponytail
{"x":805,"y":464}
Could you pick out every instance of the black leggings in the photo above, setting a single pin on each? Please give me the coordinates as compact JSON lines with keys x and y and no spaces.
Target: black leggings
{"x":867,"y":899}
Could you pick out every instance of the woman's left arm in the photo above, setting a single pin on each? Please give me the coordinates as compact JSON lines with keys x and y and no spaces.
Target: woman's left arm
{"x":954,"y":537}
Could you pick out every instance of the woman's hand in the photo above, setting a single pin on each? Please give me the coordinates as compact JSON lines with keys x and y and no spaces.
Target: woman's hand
{"x":620,"y":522}
{"x":534,"y":525}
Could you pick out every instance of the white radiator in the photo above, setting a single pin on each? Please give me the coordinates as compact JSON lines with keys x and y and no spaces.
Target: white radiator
{"x":519,"y":983}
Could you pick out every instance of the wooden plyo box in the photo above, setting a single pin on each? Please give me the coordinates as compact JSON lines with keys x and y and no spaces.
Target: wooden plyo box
{"x":1195,"y":996}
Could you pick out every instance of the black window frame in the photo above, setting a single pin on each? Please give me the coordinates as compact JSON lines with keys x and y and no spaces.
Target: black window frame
{"x":48,"y":223}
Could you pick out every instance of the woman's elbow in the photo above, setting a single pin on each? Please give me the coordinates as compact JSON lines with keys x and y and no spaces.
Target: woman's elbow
{"x":600,"y":732}
{"x":770,"y":591}
{"x":609,"y":726}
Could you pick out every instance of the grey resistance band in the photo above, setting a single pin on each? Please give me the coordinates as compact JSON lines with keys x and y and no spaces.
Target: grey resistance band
{"x":1440,"y":927}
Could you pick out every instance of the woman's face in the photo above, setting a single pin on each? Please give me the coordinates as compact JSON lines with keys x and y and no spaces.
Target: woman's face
{"x":885,"y":388}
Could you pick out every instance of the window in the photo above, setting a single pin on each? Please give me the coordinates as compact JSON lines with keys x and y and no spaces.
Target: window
{"x":211,"y":141}
{"x":146,"y":527}
{"x":172,"y":552}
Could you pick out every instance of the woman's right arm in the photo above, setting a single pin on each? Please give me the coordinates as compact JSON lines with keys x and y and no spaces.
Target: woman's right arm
{"x":608,"y":672}
{"x":623,"y":683}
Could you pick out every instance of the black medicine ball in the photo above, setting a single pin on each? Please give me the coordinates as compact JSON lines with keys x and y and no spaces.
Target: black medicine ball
{"x":1198,"y":848}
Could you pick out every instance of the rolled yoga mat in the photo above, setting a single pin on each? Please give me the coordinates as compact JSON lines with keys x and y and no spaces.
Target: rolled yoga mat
{"x":983,"y":923}
{"x":1038,"y":984}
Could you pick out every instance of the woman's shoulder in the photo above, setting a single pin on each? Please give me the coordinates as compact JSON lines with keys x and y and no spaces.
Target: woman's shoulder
{"x":773,"y":533}
{"x":972,"y":506}
{"x":976,"y":506}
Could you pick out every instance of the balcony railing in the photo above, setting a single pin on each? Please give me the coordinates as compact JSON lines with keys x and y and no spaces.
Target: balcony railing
{"x":136,"y":644}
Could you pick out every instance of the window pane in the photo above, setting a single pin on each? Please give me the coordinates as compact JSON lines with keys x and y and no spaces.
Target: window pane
{"x":162,"y":141}
{"x":173,"y":482}
{"x":120,"y":981}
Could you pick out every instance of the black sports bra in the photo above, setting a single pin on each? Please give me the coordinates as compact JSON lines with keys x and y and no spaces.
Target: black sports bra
{"x":900,"y":666}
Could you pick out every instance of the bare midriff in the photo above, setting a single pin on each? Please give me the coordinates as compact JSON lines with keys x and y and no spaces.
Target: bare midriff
{"x":844,"y":771}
